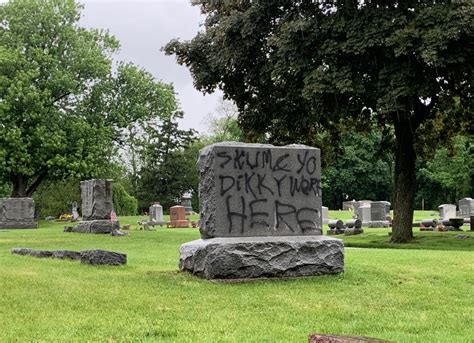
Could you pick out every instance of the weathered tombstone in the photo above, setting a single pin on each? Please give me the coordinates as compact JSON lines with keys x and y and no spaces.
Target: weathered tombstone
{"x":75,"y":213}
{"x":378,"y":214}
{"x":466,"y":207}
{"x":348,"y":205}
{"x":178,"y":217}
{"x":156,"y":213}
{"x":186,"y":202}
{"x":97,"y":207}
{"x":447,"y":211}
{"x":325,"y":214}
{"x":388,"y":205}
{"x":364,"y":214}
{"x":17,"y":213}
{"x":260,"y":214}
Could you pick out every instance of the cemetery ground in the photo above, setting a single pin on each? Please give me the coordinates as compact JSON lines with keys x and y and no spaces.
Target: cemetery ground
{"x":421,"y":293}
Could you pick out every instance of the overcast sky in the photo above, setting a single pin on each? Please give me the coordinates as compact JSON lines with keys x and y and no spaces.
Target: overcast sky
{"x":143,"y":27}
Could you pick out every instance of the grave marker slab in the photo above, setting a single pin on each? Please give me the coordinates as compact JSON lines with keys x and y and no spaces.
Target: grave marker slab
{"x":447,"y":211}
{"x":261,"y":214}
{"x":466,"y":207}
{"x":17,"y":213}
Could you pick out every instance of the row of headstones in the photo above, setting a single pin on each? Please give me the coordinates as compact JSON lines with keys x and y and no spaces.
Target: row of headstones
{"x":260,"y":210}
{"x":370,"y":213}
{"x":466,"y":209}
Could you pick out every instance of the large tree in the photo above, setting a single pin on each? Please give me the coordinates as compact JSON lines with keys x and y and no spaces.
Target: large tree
{"x":63,"y":110}
{"x":293,"y":67}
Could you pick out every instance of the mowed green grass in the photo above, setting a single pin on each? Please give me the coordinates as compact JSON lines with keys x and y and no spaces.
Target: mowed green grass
{"x":409,"y":295}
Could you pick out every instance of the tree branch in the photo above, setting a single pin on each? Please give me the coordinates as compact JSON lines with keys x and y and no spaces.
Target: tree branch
{"x":34,"y":185}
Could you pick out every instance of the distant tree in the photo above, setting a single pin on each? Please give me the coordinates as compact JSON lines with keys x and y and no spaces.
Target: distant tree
{"x":361,"y":171}
{"x":63,"y":112}
{"x":297,"y":66}
{"x":166,"y":172}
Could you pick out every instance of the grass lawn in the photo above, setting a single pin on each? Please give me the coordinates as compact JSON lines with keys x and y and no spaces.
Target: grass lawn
{"x":409,"y":295}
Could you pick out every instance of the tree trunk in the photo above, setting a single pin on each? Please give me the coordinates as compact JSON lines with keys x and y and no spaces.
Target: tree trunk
{"x":405,"y":180}
{"x":19,"y":183}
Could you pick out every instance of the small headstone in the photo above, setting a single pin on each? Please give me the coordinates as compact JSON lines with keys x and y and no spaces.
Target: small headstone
{"x":75,"y":213}
{"x":98,"y":257}
{"x":325,"y":214}
{"x":447,"y":211}
{"x":17,"y":213}
{"x":348,"y":205}
{"x":261,"y":214}
{"x":178,"y":217}
{"x":186,"y":202}
{"x":364,"y":214}
{"x":156,"y":213}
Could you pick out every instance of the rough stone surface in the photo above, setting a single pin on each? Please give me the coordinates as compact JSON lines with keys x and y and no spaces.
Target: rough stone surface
{"x":256,"y":257}
{"x":97,"y":199}
{"x":378,"y":211}
{"x":364,"y":214}
{"x":21,"y":251}
{"x":324,"y":338}
{"x":17,"y":213}
{"x":97,"y":257}
{"x":118,"y":233}
{"x":96,"y":226}
{"x":352,"y":231}
{"x":374,"y":224}
{"x":66,"y":255}
{"x":259,"y":190}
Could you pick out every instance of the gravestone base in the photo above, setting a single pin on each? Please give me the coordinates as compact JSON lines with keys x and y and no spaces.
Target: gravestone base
{"x":374,"y":224}
{"x":96,"y":226}
{"x":262,"y":257}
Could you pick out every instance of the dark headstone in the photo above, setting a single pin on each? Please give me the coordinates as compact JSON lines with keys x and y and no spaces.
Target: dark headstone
{"x":17,"y":213}
{"x":260,"y":214}
{"x":21,"y":251}
{"x":97,"y":199}
{"x":96,"y":226}
{"x":98,"y":257}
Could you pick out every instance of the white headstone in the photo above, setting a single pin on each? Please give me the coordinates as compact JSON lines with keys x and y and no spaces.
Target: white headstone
{"x":364,"y":214}
{"x":466,"y":207}
{"x":156,"y":213}
{"x":325,"y":214}
{"x":447,"y":211}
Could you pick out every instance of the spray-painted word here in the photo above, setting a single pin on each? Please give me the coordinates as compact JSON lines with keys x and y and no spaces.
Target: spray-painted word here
{"x":261,"y":190}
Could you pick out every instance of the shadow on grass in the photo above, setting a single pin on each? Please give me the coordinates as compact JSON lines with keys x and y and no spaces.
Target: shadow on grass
{"x":423,"y":241}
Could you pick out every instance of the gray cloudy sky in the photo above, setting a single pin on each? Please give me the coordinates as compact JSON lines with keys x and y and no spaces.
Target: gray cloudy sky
{"x":143,"y":27}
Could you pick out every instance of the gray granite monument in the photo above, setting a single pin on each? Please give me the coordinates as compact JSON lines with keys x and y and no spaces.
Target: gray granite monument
{"x":97,"y":207}
{"x":260,"y":209}
{"x":447,"y":211}
{"x":378,"y":214}
{"x":466,"y":207}
{"x":186,"y":202}
{"x":17,"y":213}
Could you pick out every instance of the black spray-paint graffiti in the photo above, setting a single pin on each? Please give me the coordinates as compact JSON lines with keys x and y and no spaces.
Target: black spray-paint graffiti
{"x":259,"y":188}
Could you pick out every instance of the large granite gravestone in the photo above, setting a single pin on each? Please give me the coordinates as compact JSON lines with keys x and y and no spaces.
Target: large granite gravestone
{"x":378,"y":214}
{"x":260,"y":214}
{"x":364,"y":214}
{"x":97,"y":206}
{"x":447,"y":211}
{"x":17,"y":213}
{"x":466,"y":207}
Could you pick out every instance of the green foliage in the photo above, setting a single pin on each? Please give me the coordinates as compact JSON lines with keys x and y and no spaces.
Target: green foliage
{"x":55,"y":198}
{"x":362,"y":171}
{"x":124,"y":203}
{"x":295,"y":67}
{"x":168,"y":169}
{"x":450,"y":171}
